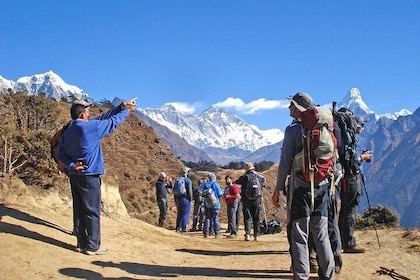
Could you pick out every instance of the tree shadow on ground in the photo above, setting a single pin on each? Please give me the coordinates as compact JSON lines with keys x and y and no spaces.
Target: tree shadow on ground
{"x":175,"y":271}
{"x":23,"y":232}
{"x":19,"y":215}
{"x":231,"y":253}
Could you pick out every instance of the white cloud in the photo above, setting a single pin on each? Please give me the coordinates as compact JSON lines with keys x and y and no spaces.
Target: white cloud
{"x":184,"y":108}
{"x":254,"y":106}
{"x":231,"y":102}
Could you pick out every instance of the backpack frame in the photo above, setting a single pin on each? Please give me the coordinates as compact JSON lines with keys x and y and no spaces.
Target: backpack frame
{"x":319,"y":146}
{"x":347,"y":124}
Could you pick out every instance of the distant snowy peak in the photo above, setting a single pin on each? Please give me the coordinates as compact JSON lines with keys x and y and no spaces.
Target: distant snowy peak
{"x":396,"y":115}
{"x":50,"y":83}
{"x":6,"y":84}
{"x":215,"y":127}
{"x":353,"y":100}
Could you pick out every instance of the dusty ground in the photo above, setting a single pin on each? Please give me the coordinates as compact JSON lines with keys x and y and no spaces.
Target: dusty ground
{"x":36,"y":243}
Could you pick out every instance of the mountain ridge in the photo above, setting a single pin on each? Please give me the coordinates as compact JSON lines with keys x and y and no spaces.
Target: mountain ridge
{"x":385,"y":136}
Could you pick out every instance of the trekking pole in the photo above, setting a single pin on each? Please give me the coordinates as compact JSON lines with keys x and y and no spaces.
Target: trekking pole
{"x":265,"y":213}
{"x":370,"y":208}
{"x":392,"y":273}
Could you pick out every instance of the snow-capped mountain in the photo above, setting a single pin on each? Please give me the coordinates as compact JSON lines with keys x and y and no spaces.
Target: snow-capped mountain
{"x":353,"y":101}
{"x":396,"y":115}
{"x":49,"y":83}
{"x":5,"y":84}
{"x":214,"y":128}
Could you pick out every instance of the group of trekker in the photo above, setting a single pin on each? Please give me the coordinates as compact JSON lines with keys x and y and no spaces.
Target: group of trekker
{"x":318,"y":161}
{"x":206,"y":198}
{"x":319,"y":165}
{"x":316,"y":236}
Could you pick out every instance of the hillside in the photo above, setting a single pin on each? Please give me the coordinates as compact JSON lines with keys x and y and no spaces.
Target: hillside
{"x":134,"y":156}
{"x":35,"y":230}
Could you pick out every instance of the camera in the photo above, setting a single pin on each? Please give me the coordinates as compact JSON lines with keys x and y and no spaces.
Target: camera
{"x":367,"y":152}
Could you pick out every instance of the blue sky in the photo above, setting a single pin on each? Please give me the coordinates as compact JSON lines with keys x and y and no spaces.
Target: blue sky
{"x":199,"y":53}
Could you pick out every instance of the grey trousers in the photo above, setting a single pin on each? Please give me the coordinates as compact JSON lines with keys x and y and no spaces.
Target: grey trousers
{"x":318,"y":225}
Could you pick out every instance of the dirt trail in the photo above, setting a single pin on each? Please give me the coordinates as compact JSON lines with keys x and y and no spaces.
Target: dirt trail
{"x":36,"y":243}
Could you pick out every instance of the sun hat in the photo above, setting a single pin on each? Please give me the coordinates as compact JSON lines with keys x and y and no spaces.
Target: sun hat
{"x":249,"y":166}
{"x":301,"y":100}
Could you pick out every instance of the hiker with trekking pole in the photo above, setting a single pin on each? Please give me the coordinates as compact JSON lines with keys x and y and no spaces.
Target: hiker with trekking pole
{"x":351,"y":184}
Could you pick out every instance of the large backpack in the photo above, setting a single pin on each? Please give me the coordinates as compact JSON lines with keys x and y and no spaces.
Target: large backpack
{"x":253,"y":189}
{"x":54,"y":145}
{"x":179,"y":188}
{"x":347,"y":124}
{"x":319,"y":144}
{"x":210,"y":197}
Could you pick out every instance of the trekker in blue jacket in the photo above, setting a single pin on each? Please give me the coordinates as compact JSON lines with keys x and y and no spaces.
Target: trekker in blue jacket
{"x":183,"y":203}
{"x":212,"y":212}
{"x":79,"y":149}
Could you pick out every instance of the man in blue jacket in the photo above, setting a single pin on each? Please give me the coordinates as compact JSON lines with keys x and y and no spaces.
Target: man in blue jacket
{"x":211,"y":222}
{"x":183,"y":202}
{"x":79,"y":149}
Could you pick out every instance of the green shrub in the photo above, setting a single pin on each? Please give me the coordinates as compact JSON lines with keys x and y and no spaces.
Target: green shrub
{"x":377,"y":217}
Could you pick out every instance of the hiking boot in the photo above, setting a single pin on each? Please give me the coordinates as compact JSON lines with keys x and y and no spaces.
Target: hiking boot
{"x":232,"y":235}
{"x":78,"y":250}
{"x":337,"y":269}
{"x":205,"y":234}
{"x":247,"y":237}
{"x":354,"y":250}
{"x":100,"y":251}
{"x":256,"y":238}
{"x":216,"y":235}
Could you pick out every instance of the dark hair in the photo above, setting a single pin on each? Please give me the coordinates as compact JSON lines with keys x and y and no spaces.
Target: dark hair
{"x":228,"y":176}
{"x":76,"y":110}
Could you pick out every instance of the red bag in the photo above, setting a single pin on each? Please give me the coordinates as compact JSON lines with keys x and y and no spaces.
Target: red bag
{"x":319,"y":143}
